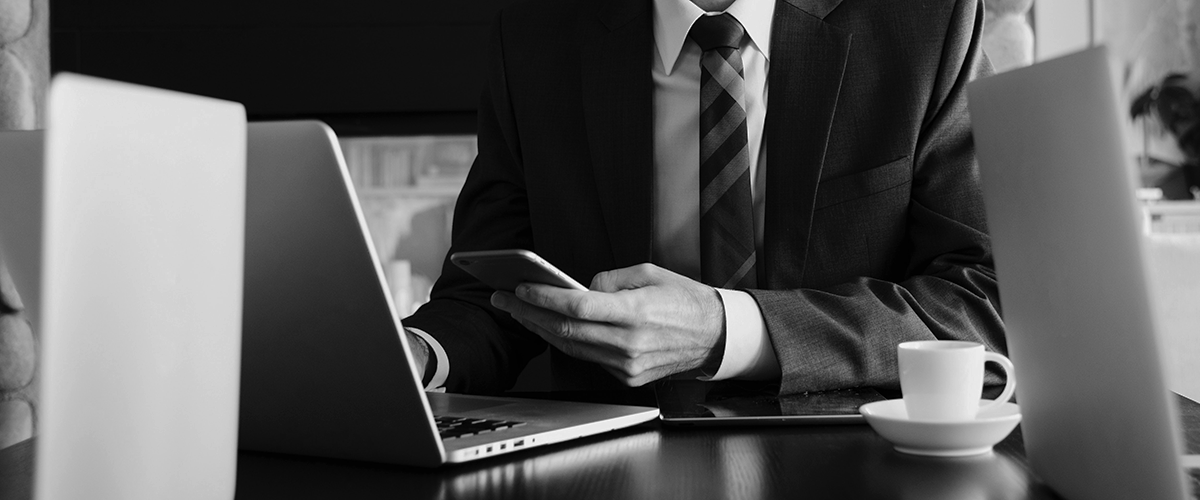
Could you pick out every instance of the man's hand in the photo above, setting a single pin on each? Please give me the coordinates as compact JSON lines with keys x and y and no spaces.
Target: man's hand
{"x":640,"y":323}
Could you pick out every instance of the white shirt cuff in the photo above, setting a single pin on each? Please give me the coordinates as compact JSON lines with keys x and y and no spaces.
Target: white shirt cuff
{"x":439,"y":356}
{"x":749,"y":354}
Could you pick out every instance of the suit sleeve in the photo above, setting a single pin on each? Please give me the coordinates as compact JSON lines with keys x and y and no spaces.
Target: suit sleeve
{"x":845,"y":335}
{"x":487,"y":348}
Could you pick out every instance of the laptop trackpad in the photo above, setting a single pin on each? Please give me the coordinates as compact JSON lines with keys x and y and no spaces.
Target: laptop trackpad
{"x":458,"y":404}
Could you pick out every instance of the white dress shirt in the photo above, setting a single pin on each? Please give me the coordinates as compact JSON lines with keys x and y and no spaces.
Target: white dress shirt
{"x":748,"y":352}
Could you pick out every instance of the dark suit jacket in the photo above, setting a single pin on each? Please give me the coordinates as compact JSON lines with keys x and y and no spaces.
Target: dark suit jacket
{"x":874,"y":233}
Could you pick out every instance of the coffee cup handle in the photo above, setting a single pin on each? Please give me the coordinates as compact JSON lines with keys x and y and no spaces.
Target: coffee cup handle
{"x":1010,"y":383}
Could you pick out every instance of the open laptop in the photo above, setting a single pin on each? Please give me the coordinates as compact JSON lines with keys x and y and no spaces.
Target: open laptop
{"x":126,"y":246}
{"x":326,"y":370}
{"x":1059,"y":190}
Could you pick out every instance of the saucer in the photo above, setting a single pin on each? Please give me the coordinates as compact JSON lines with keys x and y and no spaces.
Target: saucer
{"x":959,"y":438}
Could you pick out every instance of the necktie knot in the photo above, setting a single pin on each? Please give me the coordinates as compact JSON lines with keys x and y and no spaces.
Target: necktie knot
{"x":714,"y":32}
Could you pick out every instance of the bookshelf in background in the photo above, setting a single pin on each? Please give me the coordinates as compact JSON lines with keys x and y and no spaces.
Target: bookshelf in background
{"x":407,"y":187}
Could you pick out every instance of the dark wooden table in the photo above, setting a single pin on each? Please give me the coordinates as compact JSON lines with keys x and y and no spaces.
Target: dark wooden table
{"x":654,"y":461}
{"x":662,"y":462}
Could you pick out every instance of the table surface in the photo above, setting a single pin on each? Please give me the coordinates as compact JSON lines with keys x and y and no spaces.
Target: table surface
{"x":654,"y":461}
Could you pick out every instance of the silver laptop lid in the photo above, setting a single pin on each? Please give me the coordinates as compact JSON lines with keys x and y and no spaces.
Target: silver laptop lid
{"x":141,"y":283}
{"x":325,"y":370}
{"x":1098,"y":419}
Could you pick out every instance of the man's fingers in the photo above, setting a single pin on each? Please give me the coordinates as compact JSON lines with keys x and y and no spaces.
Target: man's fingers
{"x":588,"y":306}
{"x":552,"y":322}
{"x":640,"y":323}
{"x":630,"y":371}
{"x":626,"y":278}
{"x":600,"y":354}
{"x":624,"y":356}
{"x":579,"y":350}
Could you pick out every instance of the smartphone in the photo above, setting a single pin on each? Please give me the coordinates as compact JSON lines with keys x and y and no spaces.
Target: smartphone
{"x":505,"y":269}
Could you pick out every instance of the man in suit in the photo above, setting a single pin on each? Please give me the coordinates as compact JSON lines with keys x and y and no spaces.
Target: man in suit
{"x":863,"y":215}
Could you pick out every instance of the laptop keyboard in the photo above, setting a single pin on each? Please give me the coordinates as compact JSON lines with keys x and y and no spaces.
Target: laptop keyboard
{"x":456,"y":427}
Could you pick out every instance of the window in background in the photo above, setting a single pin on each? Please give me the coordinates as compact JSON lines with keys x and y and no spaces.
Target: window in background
{"x":1150,"y":40}
{"x":1008,"y":38}
{"x":1062,"y":27}
{"x":407,"y":187}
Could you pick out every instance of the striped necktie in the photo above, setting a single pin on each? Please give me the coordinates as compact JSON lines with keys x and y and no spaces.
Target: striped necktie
{"x":727,"y":256}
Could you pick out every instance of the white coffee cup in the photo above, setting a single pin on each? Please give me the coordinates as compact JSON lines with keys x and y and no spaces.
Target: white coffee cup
{"x":942,"y":380}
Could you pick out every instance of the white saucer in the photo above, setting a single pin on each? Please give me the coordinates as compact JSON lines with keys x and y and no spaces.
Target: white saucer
{"x":941,"y":439}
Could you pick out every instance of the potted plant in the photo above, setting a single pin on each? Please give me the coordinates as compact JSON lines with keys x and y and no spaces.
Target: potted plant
{"x":1174,"y":105}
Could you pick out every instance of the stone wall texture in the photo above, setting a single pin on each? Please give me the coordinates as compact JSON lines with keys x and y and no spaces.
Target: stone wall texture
{"x":24,"y":62}
{"x":24,"y":77}
{"x":18,"y":355}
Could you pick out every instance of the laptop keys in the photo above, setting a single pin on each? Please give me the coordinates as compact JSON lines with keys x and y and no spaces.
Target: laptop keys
{"x":455,"y":427}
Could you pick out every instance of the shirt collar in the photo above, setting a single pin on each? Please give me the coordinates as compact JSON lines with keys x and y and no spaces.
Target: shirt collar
{"x":673,"y":19}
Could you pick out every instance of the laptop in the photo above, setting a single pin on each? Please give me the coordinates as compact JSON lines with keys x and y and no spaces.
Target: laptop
{"x":126,"y":246}
{"x":326,"y":370}
{"x":1098,"y":420}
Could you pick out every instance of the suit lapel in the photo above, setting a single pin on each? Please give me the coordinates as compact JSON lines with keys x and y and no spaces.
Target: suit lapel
{"x":617,"y":92}
{"x":808,"y":59}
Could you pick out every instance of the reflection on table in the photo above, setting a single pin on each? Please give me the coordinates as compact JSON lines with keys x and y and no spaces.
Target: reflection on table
{"x":653,"y":460}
